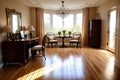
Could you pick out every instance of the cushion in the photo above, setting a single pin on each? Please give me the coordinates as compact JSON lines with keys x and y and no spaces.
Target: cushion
{"x":75,"y":37}
{"x":73,"y":40}
{"x":51,"y":37}
{"x":37,"y":47}
{"x":53,"y":40}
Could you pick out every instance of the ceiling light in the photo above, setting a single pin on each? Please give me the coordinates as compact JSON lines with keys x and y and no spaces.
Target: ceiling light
{"x":62,"y":11}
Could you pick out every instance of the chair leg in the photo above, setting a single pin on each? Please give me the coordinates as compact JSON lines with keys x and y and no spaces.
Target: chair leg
{"x":51,"y":45}
{"x":77,"y":44}
{"x":56,"y":44}
{"x":43,"y":54}
{"x":33,"y":52}
{"x":69,"y":44}
{"x":48,"y":44}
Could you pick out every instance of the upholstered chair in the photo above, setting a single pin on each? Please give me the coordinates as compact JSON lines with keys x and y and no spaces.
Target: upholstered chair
{"x":75,"y":39}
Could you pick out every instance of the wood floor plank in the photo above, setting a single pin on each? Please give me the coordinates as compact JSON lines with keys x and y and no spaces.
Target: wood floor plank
{"x":65,"y":64}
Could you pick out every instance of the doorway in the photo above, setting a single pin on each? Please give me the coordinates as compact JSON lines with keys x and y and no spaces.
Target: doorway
{"x":112,"y":30}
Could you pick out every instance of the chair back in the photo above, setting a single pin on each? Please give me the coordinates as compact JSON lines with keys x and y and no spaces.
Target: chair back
{"x":44,"y":40}
{"x":76,"y":35}
{"x":50,"y":35}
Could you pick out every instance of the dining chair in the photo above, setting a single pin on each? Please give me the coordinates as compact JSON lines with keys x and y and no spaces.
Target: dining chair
{"x":40,"y":48}
{"x":75,"y":39}
{"x":51,"y":39}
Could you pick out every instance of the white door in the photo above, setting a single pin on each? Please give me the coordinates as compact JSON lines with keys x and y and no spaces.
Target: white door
{"x":117,"y":42}
{"x":112,"y":30}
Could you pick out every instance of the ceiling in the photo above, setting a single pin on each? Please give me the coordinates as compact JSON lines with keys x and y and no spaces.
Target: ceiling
{"x":56,"y":4}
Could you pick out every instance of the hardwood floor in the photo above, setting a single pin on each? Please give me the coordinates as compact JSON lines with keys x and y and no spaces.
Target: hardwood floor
{"x":65,"y":64}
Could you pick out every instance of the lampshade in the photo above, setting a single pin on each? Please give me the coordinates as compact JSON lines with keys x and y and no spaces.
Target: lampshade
{"x":31,"y":28}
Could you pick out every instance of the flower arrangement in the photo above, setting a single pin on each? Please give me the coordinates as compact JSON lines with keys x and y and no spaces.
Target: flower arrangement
{"x":64,"y":31}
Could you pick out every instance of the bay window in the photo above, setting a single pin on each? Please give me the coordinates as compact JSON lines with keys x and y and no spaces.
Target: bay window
{"x":56,"y":23}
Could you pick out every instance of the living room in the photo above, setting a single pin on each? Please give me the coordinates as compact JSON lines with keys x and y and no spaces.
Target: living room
{"x":30,"y":16}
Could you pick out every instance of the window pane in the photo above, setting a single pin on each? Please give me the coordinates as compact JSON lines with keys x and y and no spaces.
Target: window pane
{"x":57,"y":23}
{"x":68,"y":22}
{"x":79,"y":22}
{"x":47,"y":22}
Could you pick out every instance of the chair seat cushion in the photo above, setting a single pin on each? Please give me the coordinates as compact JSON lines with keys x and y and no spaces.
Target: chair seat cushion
{"x":51,"y":37}
{"x":75,"y":37}
{"x":73,"y":40}
{"x":37,"y":47}
{"x":53,"y":41}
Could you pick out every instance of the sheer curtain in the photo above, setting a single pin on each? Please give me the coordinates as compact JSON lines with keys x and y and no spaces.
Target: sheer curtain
{"x":39,"y":24}
{"x":85,"y":27}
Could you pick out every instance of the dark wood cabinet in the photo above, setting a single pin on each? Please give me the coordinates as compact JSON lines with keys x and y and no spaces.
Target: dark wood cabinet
{"x":94,"y":33}
{"x":17,"y":51}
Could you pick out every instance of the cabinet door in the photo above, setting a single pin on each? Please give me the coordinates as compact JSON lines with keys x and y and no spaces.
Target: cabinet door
{"x":13,"y":52}
{"x":94,"y":33}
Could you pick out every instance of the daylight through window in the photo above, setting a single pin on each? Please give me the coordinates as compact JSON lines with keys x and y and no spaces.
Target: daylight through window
{"x":55,"y":23}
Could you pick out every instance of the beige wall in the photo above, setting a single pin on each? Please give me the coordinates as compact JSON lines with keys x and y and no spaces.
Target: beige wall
{"x":92,"y":12}
{"x":33,"y":18}
{"x":12,"y":4}
{"x":103,"y":10}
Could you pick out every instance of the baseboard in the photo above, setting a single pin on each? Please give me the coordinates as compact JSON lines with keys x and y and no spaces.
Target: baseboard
{"x":103,"y":47}
{"x":117,"y":63}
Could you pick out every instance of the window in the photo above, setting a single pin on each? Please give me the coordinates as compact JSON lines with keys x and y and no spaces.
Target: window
{"x":55,"y":23}
{"x":68,"y":22}
{"x":79,"y":22}
{"x":47,"y":22}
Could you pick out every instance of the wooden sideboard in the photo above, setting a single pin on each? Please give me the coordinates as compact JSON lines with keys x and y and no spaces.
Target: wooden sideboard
{"x":17,"y":51}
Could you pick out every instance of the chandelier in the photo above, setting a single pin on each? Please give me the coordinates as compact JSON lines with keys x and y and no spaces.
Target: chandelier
{"x":62,"y":11}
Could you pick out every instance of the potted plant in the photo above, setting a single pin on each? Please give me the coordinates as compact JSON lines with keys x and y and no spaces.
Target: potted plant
{"x":64,"y":31}
{"x":59,"y":33}
{"x":69,"y":33}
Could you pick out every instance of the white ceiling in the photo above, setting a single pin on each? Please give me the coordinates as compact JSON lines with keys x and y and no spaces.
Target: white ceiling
{"x":56,"y":4}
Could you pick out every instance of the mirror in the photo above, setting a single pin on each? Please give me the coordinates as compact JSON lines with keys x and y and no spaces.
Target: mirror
{"x":13,"y":20}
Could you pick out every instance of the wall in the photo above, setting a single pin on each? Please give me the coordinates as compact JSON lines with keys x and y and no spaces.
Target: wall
{"x":103,"y":10}
{"x":12,"y":4}
{"x":33,"y":18}
{"x":92,"y":12}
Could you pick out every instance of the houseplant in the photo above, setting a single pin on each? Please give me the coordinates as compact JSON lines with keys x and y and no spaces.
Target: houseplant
{"x":69,"y":33}
{"x":59,"y":33}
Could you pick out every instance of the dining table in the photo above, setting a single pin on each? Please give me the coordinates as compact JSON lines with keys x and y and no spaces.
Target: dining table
{"x":63,"y":39}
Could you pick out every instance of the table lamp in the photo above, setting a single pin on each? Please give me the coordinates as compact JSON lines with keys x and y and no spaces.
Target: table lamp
{"x":31,"y":29}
